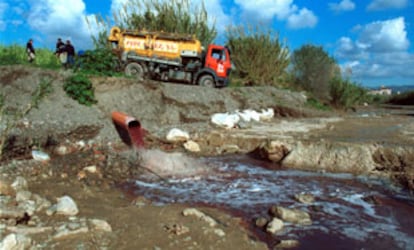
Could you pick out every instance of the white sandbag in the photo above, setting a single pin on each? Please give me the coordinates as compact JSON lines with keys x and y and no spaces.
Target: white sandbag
{"x":244,"y":116}
{"x":253,"y":114}
{"x":225,"y":120}
{"x":266,"y":114}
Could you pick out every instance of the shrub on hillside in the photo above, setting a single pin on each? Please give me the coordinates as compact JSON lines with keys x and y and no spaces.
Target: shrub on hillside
{"x":259,"y":57}
{"x":98,"y":62}
{"x":346,"y":94}
{"x":80,"y":88}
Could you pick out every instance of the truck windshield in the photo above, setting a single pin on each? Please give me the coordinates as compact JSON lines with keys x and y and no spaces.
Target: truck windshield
{"x":218,"y":54}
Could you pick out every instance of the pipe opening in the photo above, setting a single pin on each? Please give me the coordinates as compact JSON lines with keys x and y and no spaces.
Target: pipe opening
{"x":134,"y":124}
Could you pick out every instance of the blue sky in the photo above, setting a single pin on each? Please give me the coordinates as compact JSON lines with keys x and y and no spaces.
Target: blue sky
{"x":372,"y":40}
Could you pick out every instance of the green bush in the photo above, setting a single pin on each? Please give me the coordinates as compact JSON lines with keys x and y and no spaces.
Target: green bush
{"x":101,"y":62}
{"x":259,"y":57}
{"x":346,"y":94}
{"x":315,"y":103}
{"x":80,"y":88}
{"x":378,"y":99}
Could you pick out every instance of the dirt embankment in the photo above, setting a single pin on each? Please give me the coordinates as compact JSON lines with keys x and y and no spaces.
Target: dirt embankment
{"x":370,"y":141}
{"x":80,"y":139}
{"x":158,"y":106}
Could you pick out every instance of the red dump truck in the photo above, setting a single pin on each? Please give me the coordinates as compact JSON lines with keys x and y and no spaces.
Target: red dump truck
{"x":170,"y":57}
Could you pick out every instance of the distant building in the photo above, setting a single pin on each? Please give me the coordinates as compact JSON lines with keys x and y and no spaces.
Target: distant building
{"x":381,"y":91}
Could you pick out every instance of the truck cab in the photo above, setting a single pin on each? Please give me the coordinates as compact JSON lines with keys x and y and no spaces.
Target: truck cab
{"x":216,"y":67}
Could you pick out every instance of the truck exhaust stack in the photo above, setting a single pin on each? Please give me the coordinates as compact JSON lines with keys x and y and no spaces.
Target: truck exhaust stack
{"x":129,"y":129}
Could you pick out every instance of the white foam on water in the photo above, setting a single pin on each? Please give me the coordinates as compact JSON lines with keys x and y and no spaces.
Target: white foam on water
{"x":170,"y":164}
{"x":357,"y":199}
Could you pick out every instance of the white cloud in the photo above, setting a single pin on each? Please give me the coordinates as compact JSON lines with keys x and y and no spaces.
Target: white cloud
{"x":304,"y":19}
{"x":267,"y":9}
{"x":380,"y":51}
{"x":57,"y":18}
{"x":344,"y":5}
{"x":387,"y":4}
{"x":377,"y":37}
{"x":385,"y":36}
{"x":283,"y":10}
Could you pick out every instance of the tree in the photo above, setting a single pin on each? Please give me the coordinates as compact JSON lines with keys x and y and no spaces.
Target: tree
{"x":176,"y":16}
{"x":259,"y":57}
{"x":313,"y":69}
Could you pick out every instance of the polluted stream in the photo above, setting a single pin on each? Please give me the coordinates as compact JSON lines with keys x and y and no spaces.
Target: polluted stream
{"x":348,"y":212}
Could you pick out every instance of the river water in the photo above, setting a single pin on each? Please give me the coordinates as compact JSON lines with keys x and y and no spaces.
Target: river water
{"x":348,"y":213}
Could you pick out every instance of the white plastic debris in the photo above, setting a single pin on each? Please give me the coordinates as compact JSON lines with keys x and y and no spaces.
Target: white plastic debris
{"x":244,"y":116}
{"x":230,"y":120}
{"x":225,"y":120}
{"x":254,"y":115}
{"x":40,"y":156}
{"x":266,"y":114}
{"x":176,"y":135}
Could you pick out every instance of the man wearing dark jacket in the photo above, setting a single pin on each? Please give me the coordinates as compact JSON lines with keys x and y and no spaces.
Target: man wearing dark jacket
{"x":31,"y":54}
{"x":60,"y":46}
{"x":71,"y":53}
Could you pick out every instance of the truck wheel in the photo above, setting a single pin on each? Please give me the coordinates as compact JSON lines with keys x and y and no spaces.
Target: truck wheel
{"x":116,"y":65}
{"x":136,"y":70}
{"x":206,"y":81}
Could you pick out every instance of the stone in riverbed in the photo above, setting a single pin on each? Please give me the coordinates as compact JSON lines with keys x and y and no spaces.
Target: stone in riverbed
{"x":16,"y":241}
{"x":274,"y":151}
{"x":200,"y":215}
{"x":287,"y":244}
{"x":100,"y":225}
{"x":192,"y":146}
{"x":261,"y":222}
{"x":6,"y":188}
{"x":65,"y":206}
{"x":291,"y":215}
{"x":19,"y":184}
{"x":305,"y":198}
{"x":274,"y":226}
